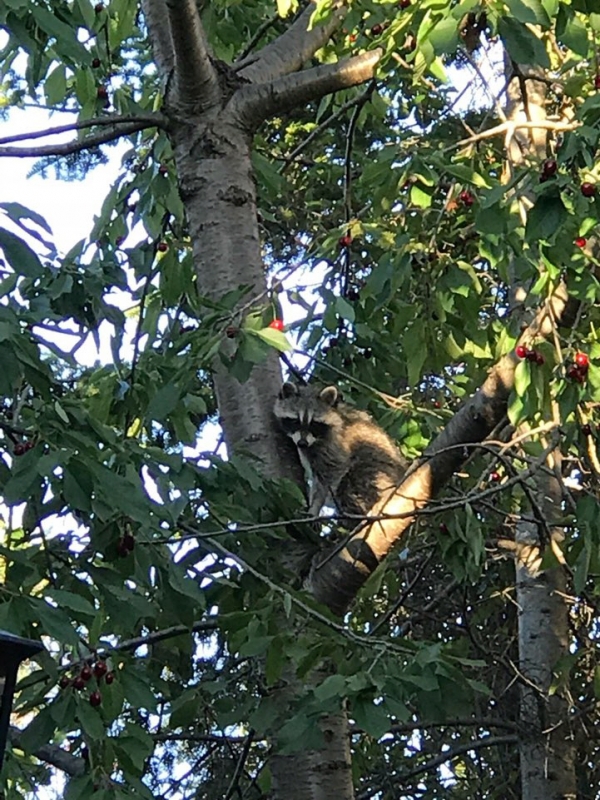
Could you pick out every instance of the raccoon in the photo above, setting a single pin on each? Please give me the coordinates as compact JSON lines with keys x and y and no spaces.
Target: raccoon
{"x":349,"y":460}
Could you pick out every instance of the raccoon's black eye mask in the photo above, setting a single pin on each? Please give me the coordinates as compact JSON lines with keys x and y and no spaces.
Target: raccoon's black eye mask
{"x":291,"y":424}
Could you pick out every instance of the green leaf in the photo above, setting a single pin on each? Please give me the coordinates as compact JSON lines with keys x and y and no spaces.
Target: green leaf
{"x":286,"y":7}
{"x":19,"y":255}
{"x":529,"y":11}
{"x":344,"y":309}
{"x":137,"y":688}
{"x":274,"y":661}
{"x":39,"y":731}
{"x":491,"y":220}
{"x":333,"y":686}
{"x":75,"y":602}
{"x":523,"y":45}
{"x":276,"y":339}
{"x":163,"y":402}
{"x":545,"y":219}
{"x":17,"y":212}
{"x":63,"y":33}
{"x":571,"y":32}
{"x":370,"y":718}
{"x":90,"y":718}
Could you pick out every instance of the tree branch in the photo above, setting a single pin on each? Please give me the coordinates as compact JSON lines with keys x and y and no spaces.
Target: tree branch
{"x":336,"y":580}
{"x":443,"y":758}
{"x":52,"y":754}
{"x":77,"y":146}
{"x":152,"y":119}
{"x":160,"y":35}
{"x":290,"y":51}
{"x":510,"y":127}
{"x":201,"y":626}
{"x":251,"y":105}
{"x":196,"y":81}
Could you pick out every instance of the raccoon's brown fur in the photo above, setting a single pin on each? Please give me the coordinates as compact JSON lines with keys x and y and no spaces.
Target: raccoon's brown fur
{"x":349,"y":460}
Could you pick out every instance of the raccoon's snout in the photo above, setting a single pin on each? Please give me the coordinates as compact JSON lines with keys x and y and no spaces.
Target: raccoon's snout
{"x":303,"y":440}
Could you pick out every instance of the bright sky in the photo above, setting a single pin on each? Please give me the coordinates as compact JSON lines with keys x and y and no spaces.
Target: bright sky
{"x":69,"y":208}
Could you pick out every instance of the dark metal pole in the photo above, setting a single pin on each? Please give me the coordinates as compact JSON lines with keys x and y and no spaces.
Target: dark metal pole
{"x":13,"y":650}
{"x":10,"y":681}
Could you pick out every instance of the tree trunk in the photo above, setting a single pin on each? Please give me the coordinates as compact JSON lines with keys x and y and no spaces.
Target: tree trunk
{"x":546,"y":748}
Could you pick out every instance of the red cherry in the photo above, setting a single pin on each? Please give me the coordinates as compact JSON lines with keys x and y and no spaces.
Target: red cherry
{"x":95,"y":63}
{"x":549,"y":167}
{"x":128,"y":542}
{"x":586,"y":430}
{"x":19,"y":449}
{"x":580,"y":241}
{"x":377,"y":29}
{"x":110,"y":677}
{"x":404,"y":3}
{"x":582,"y":360}
{"x":100,"y":669}
{"x":99,"y":7}
{"x":102,"y":93}
{"x":78,"y":683}
{"x":122,"y":549}
{"x":597,"y":81}
{"x":588,"y":189}
{"x":95,"y":699}
{"x":352,"y":38}
{"x":520,"y":351}
{"x":162,"y":247}
{"x":494,"y":477}
{"x":64,"y":682}
{"x":231,"y":332}
{"x":466,"y":197}
{"x":86,"y":673}
{"x":539,"y":358}
{"x":531,"y":355}
{"x":443,"y":527}
{"x":277,"y":324}
{"x":345,"y":241}
{"x":162,"y":170}
{"x":576,"y":374}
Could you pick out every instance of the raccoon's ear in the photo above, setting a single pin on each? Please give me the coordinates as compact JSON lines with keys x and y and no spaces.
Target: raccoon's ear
{"x":288,"y":390}
{"x":329,"y":395}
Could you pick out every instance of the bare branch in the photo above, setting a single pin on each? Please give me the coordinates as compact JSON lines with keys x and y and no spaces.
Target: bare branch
{"x":356,"y":101}
{"x":251,"y":105}
{"x":202,"y":626}
{"x":443,"y":758}
{"x":52,"y":754}
{"x":510,"y":127}
{"x":290,"y":51}
{"x":77,"y":146}
{"x":152,"y":119}
{"x":155,"y":13}
{"x":196,"y":81}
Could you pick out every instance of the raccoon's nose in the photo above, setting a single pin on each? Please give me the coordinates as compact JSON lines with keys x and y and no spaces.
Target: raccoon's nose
{"x":302,"y":442}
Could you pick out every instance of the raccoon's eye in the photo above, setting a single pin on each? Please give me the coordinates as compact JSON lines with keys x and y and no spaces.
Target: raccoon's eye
{"x":289,"y":425}
{"x":318,"y":429}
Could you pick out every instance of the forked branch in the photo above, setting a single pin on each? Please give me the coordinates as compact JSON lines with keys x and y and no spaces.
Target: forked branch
{"x":294,"y":48}
{"x":195,"y":77}
{"x":251,"y":105}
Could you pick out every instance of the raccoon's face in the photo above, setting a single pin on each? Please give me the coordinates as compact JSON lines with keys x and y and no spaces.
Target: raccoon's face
{"x":306,"y":413}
